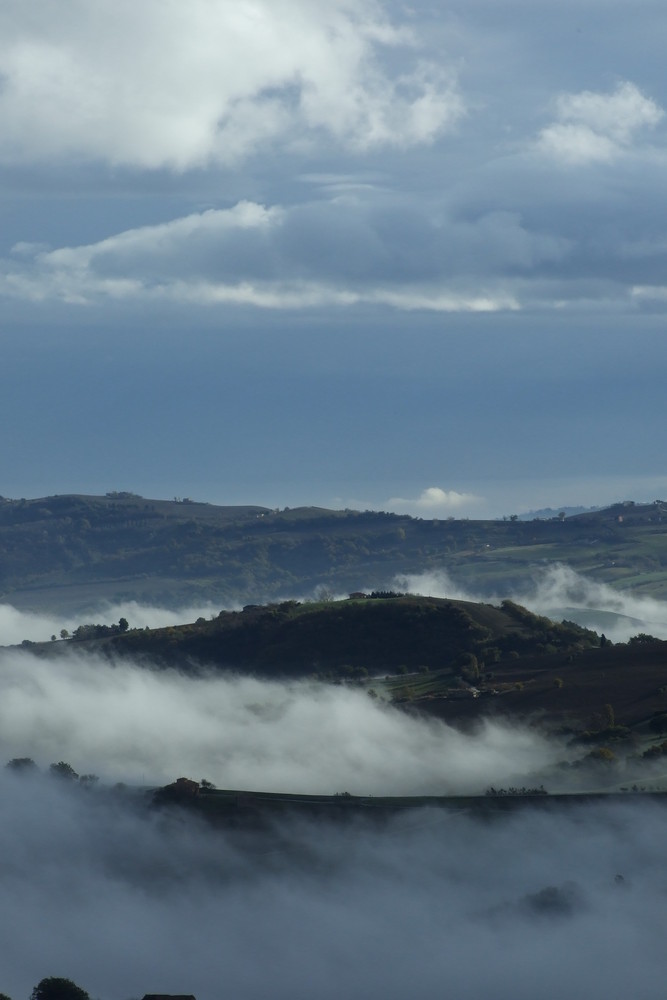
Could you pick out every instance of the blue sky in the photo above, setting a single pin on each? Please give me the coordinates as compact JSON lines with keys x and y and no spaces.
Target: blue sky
{"x":403,"y":256}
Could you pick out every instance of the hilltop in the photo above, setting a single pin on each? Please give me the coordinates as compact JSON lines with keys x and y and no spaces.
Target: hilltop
{"x":357,"y":637}
{"x":69,"y":553}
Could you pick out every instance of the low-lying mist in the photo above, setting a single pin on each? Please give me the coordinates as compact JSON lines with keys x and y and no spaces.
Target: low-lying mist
{"x":17,"y":625}
{"x":546,"y":901}
{"x":549,"y":903}
{"x":139,"y":725}
{"x":557,"y":592}
{"x":560,"y":592}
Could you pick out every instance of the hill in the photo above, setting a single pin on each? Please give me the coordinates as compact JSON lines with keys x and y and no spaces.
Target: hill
{"x":69,"y":553}
{"x":352,"y":638}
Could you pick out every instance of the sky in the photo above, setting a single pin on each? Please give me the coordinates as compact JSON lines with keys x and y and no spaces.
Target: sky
{"x":402,"y":256}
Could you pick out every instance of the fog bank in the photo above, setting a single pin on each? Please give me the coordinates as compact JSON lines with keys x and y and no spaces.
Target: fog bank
{"x":125,"y":723}
{"x":433,"y":904}
{"x":17,"y":625}
{"x":556,"y":591}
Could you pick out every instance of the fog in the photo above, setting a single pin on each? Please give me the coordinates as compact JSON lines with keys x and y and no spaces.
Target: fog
{"x":433,"y":903}
{"x":17,"y":625}
{"x":560,"y":592}
{"x":126,"y":900}
{"x":556,"y":591}
{"x":149,"y":727}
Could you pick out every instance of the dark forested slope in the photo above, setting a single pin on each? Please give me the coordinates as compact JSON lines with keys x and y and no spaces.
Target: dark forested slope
{"x":344,"y":638}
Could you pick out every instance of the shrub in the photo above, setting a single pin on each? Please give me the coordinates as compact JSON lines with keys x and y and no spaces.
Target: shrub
{"x":63,"y":770}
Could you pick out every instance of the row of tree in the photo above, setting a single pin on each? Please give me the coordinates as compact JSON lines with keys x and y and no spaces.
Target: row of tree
{"x":61,"y":769}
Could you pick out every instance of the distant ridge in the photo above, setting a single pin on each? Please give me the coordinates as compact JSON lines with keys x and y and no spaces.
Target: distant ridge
{"x":71,"y":553}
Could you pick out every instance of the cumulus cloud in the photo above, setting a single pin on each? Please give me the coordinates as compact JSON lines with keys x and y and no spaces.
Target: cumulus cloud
{"x":328,"y":91}
{"x":593,"y":127}
{"x":343,"y":252}
{"x":434,"y":502}
{"x":165,"y":85}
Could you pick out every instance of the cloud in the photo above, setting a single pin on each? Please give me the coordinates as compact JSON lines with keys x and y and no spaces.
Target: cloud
{"x":343,"y":252}
{"x":433,"y":501}
{"x":166,"y":86}
{"x":311,"y":110}
{"x":594,"y":128}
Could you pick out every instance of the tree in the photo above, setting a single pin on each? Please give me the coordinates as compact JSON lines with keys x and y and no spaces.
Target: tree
{"x":63,"y":770}
{"x":123,"y":624}
{"x":23,"y":765}
{"x":640,"y":638}
{"x":56,"y":988}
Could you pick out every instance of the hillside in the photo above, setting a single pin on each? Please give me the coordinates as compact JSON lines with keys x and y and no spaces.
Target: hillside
{"x":344,"y":639}
{"x":69,"y":553}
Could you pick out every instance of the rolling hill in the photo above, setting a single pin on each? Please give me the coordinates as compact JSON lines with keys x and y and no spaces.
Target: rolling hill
{"x":70,"y":553}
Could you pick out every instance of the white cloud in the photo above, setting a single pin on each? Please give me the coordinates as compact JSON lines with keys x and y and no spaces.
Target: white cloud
{"x":434,"y":501}
{"x":269,"y":258}
{"x":182,"y":85}
{"x":593,"y":127}
{"x":655,"y":293}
